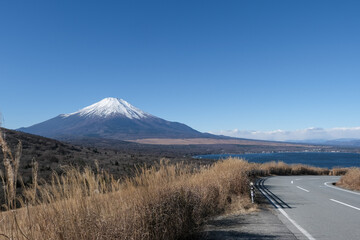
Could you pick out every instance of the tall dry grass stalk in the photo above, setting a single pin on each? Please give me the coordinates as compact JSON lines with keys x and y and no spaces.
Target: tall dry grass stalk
{"x":11,"y":166}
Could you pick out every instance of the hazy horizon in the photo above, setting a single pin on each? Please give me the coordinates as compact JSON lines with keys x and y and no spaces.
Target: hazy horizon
{"x":308,"y":134}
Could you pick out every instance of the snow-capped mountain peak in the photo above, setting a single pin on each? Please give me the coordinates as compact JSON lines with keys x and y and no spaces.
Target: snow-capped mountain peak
{"x":110,"y":107}
{"x":111,"y":118}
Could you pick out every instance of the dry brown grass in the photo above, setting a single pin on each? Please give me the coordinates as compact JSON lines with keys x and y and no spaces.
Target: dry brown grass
{"x":163,"y":202}
{"x":11,"y":164}
{"x":337,"y":171}
{"x":351,"y":179}
{"x":168,"y":201}
{"x":281,"y":168}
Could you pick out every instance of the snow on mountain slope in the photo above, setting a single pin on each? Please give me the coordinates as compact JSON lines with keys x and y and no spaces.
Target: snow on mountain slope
{"x":112,"y":118}
{"x":110,"y":107}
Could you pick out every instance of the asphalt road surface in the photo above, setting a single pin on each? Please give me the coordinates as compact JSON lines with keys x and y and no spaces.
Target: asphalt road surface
{"x":312,"y":208}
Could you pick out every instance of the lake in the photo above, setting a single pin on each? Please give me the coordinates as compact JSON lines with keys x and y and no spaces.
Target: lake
{"x":318,"y":159}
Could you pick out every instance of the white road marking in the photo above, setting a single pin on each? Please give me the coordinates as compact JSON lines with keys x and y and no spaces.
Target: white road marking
{"x":340,"y":189}
{"x":345,"y":204}
{"x":298,"y":179}
{"x":292,"y":182}
{"x":302,"y":230}
{"x":302,"y":189}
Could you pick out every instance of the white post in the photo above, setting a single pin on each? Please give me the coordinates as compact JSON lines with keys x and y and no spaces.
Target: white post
{"x":252,"y":191}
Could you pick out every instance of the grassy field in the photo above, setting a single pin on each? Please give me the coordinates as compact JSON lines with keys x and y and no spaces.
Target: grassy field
{"x":162,"y":201}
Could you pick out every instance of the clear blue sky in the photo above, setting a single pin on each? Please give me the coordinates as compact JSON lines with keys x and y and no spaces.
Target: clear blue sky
{"x":213,"y":65}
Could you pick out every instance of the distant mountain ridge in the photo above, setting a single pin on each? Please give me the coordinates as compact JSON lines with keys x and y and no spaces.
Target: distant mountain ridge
{"x":344,"y":142}
{"x":112,"y":118}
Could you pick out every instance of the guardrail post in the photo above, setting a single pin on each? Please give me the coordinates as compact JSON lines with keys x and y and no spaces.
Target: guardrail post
{"x":252,"y":191}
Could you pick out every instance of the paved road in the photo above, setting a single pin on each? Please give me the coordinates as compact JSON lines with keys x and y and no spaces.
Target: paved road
{"x":312,"y":208}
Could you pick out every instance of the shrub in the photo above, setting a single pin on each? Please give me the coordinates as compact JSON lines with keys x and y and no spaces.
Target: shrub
{"x":351,"y":179}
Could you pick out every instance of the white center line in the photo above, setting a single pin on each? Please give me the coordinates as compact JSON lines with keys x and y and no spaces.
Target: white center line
{"x":302,"y":189}
{"x":345,"y":204}
{"x":292,"y":182}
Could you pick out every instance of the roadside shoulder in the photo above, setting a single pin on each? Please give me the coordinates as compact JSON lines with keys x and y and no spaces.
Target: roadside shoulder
{"x":261,"y":224}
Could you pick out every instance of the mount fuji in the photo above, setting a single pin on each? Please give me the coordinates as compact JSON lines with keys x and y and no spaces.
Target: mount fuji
{"x":112,"y":118}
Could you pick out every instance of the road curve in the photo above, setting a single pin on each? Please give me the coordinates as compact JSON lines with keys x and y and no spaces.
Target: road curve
{"x":312,"y":208}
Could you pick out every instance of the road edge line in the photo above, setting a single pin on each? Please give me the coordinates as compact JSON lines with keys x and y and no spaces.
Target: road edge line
{"x":301,"y":229}
{"x":345,"y":204}
{"x":340,"y":189}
